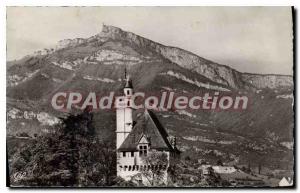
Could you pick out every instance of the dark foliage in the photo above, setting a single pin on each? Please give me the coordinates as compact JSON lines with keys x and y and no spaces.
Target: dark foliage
{"x":71,"y":155}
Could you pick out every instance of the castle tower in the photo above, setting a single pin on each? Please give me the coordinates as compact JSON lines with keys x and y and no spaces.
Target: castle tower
{"x":124,"y":113}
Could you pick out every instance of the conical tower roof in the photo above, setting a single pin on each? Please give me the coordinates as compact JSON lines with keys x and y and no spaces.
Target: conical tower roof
{"x":128,"y":83}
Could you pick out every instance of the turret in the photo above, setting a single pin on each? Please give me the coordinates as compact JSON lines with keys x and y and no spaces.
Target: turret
{"x":124,"y":112}
{"x":128,"y":89}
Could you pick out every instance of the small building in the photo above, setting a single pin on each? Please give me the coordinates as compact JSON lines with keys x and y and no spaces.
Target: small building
{"x":206,"y":169}
{"x":224,"y":169}
{"x":286,"y":181}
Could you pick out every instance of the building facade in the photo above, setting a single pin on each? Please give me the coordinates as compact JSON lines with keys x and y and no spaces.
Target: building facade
{"x":141,"y":140}
{"x":286,"y":181}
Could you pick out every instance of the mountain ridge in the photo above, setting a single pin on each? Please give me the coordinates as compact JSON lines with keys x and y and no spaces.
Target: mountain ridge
{"x":216,"y":72}
{"x":197,"y":63}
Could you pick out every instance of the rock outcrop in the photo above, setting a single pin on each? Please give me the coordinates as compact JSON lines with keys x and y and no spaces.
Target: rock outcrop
{"x":69,"y":43}
{"x":268,"y":81}
{"x":218,"y":73}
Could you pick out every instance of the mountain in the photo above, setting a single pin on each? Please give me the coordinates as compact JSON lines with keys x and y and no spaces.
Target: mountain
{"x":218,"y":73}
{"x":96,"y":64}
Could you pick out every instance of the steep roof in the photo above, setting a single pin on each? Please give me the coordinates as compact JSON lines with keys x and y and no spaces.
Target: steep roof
{"x":147,"y":125}
{"x":128,"y":83}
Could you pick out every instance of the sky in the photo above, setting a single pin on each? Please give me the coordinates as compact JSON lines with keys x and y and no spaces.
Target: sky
{"x":249,"y":39}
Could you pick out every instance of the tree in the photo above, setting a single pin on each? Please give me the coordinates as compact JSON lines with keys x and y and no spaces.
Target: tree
{"x":249,"y":167}
{"x":187,"y":158}
{"x":72,"y":155}
{"x":213,"y":179}
{"x":259,"y":168}
{"x":154,"y":169}
{"x":219,"y":163}
{"x":120,"y":182}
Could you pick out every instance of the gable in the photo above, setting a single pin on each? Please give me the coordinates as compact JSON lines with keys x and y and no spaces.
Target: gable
{"x":143,"y":140}
{"x":150,"y":128}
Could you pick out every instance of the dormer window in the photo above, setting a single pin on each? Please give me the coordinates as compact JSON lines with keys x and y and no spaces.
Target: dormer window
{"x":143,"y":150}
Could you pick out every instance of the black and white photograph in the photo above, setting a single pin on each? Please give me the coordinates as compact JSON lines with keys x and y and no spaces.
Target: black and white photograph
{"x":144,"y":97}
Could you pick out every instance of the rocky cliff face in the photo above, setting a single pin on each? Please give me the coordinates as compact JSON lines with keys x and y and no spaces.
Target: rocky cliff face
{"x":218,"y":73}
{"x":268,"y":81}
{"x":69,"y":42}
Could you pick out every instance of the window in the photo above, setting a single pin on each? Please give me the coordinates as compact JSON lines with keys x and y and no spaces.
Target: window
{"x":132,"y":154}
{"x":124,"y":154}
{"x":143,"y":150}
{"x":127,"y":92}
